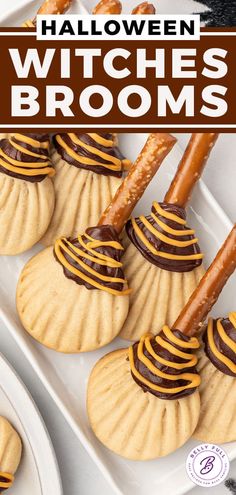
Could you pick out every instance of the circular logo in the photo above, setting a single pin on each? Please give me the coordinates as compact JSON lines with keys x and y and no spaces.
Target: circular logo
{"x":207,"y":465}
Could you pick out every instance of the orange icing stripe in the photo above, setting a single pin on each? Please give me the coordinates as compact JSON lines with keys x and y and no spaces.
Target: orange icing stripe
{"x":161,"y":360}
{"x":99,"y":258}
{"x":171,"y":231}
{"x":168,"y":214}
{"x":62,"y":245}
{"x":105,"y":262}
{"x":163,"y":237}
{"x":32,"y":142}
{"x":226,"y":339}
{"x":232,"y":318}
{"x":28,"y":172}
{"x":10,"y":480}
{"x":145,"y":341}
{"x":107,"y":143}
{"x":26,"y":164}
{"x":30,"y":169}
{"x":84,"y":160}
{"x":162,"y":254}
{"x":95,"y":151}
{"x":25,"y":151}
{"x":192,"y":344}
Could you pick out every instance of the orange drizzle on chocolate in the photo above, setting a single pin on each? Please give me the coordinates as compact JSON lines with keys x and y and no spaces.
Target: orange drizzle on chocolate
{"x":93,"y":260}
{"x":26,"y":157}
{"x":164,"y":364}
{"x":164,"y":239}
{"x":6,"y":480}
{"x":95,"y":152}
{"x":220,"y":343}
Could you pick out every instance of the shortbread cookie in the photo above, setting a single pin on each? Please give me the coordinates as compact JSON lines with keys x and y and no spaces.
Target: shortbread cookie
{"x":163,"y":261}
{"x":27,"y":194}
{"x":133,"y":410}
{"x":144,"y":403}
{"x":89,"y":169}
{"x":10,"y":454}
{"x":160,"y":286}
{"x":62,"y":314}
{"x":74,"y":297}
{"x":217,"y":367}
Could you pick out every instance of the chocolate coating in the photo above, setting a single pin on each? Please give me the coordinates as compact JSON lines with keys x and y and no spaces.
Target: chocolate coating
{"x":79,"y":150}
{"x":221,"y":346}
{"x":3,"y":479}
{"x":19,"y":156}
{"x":164,"y":353}
{"x":165,"y":263}
{"x":102,"y":233}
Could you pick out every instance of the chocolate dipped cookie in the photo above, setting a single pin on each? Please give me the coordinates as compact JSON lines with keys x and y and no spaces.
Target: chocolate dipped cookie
{"x":10,"y":454}
{"x":89,"y":169}
{"x":74,"y":297}
{"x":27,"y":193}
{"x":162,"y":259}
{"x":144,"y":402}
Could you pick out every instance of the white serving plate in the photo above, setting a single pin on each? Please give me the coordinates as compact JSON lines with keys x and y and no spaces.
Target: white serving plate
{"x":65,"y":376}
{"x":38,"y":472}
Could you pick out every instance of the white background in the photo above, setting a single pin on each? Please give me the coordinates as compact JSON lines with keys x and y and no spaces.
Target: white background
{"x":79,"y":474}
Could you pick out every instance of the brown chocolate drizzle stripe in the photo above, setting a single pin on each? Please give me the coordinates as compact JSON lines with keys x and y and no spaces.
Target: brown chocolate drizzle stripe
{"x":164,"y":239}
{"x":96,"y":152}
{"x":6,"y":481}
{"x":26,"y":157}
{"x":220,"y":343}
{"x":93,"y":260}
{"x":164,"y":365}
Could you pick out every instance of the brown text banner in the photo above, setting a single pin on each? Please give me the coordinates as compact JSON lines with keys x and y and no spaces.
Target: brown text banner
{"x":132,"y":85}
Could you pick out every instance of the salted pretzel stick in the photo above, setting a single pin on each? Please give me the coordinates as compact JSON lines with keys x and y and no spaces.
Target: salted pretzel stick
{"x":144,"y":8}
{"x":54,"y":7}
{"x":148,"y":162}
{"x":209,"y":288}
{"x":190,"y":168}
{"x":108,"y":7}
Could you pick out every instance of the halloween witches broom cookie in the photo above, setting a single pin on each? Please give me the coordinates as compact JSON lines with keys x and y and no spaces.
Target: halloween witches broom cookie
{"x":89,"y":169}
{"x":10,"y":454}
{"x":27,"y":194}
{"x":217,"y":368}
{"x":163,"y":261}
{"x":73,"y":297}
{"x":143,"y":402}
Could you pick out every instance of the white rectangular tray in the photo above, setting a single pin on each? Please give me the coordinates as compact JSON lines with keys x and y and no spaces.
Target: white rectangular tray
{"x":65,"y":376}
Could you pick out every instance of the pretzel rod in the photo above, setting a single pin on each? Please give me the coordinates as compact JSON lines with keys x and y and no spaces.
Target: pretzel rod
{"x":54,"y":7}
{"x":144,"y":8}
{"x":108,"y":7}
{"x":190,"y":168}
{"x":209,"y":288}
{"x":142,"y":171}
